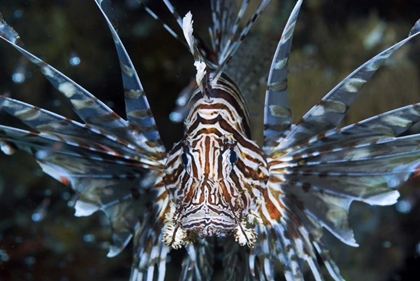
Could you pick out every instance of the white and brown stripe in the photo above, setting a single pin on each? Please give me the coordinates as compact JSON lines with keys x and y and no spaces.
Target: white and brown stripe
{"x":215,"y":173}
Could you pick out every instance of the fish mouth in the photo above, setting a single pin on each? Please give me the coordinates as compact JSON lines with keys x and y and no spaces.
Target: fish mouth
{"x":204,"y":225}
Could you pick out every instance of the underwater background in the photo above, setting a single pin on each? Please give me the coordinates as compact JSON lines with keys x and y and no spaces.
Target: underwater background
{"x":41,"y":240}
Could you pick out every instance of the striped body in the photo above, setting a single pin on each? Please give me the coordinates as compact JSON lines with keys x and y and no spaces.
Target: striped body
{"x":215,"y":173}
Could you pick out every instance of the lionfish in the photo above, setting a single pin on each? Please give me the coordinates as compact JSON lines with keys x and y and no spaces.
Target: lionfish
{"x":264,"y":205}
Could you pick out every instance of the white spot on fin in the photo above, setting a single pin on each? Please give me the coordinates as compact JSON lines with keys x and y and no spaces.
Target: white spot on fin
{"x":384,"y":199}
{"x":319,"y":111}
{"x":354,"y":84}
{"x":67,"y":88}
{"x":7,"y":149}
{"x":84,"y":209}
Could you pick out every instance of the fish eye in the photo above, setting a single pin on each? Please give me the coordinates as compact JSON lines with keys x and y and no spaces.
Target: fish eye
{"x":233,"y":157}
{"x":184,"y":159}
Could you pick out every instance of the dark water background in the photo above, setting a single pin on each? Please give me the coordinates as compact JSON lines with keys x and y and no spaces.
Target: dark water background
{"x":39,"y":237}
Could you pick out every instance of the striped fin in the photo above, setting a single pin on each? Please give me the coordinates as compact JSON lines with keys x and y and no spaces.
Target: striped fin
{"x":108,"y":162}
{"x":198,"y":263}
{"x":223,"y":33}
{"x":229,"y":26}
{"x":392,"y":161}
{"x":137,"y":107}
{"x":225,"y":44}
{"x":235,"y":38}
{"x":198,"y":48}
{"x":108,"y":183}
{"x":78,"y":96}
{"x":67,"y":145}
{"x":319,"y":189}
{"x":266,"y":253}
{"x":333,"y":107}
{"x":223,"y":15}
{"x":291,"y":237}
{"x":378,"y":149}
{"x":122,"y":189}
{"x":247,"y":68}
{"x":235,"y":261}
{"x":173,"y":11}
{"x":149,"y":252}
{"x":119,"y":198}
{"x":326,"y":258}
{"x":43,"y":120}
{"x":323,"y":187}
{"x":315,"y":178}
{"x":44,"y":145}
{"x":90,"y":109}
{"x":165,"y":26}
{"x":231,"y":40}
{"x":248,"y":83}
{"x":277,"y":242}
{"x":277,"y":113}
{"x":381,"y":126}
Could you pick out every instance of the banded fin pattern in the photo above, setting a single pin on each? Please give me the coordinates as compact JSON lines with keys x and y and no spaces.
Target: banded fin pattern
{"x":277,"y":114}
{"x":333,"y":107}
{"x":246,"y":67}
{"x":381,"y":126}
{"x":316,"y":171}
{"x":198,"y":264}
{"x":137,"y":107}
{"x":113,"y":165}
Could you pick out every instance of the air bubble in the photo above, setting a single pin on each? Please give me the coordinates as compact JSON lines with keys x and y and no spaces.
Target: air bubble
{"x":66,"y":196}
{"x":47,"y":192}
{"x":30,"y":261}
{"x":41,"y":211}
{"x":393,"y":183}
{"x":175,"y":117}
{"x":182,"y":100}
{"x":18,"y":77}
{"x":20,"y":74}
{"x":387,"y":244}
{"x":310,"y":49}
{"x":17,"y":14}
{"x":404,"y":206}
{"x":74,"y":59}
{"x":3,"y":255}
{"x":89,"y":238}
{"x":56,"y":103}
{"x":41,"y":154}
{"x":37,"y":217}
{"x":70,"y":257}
